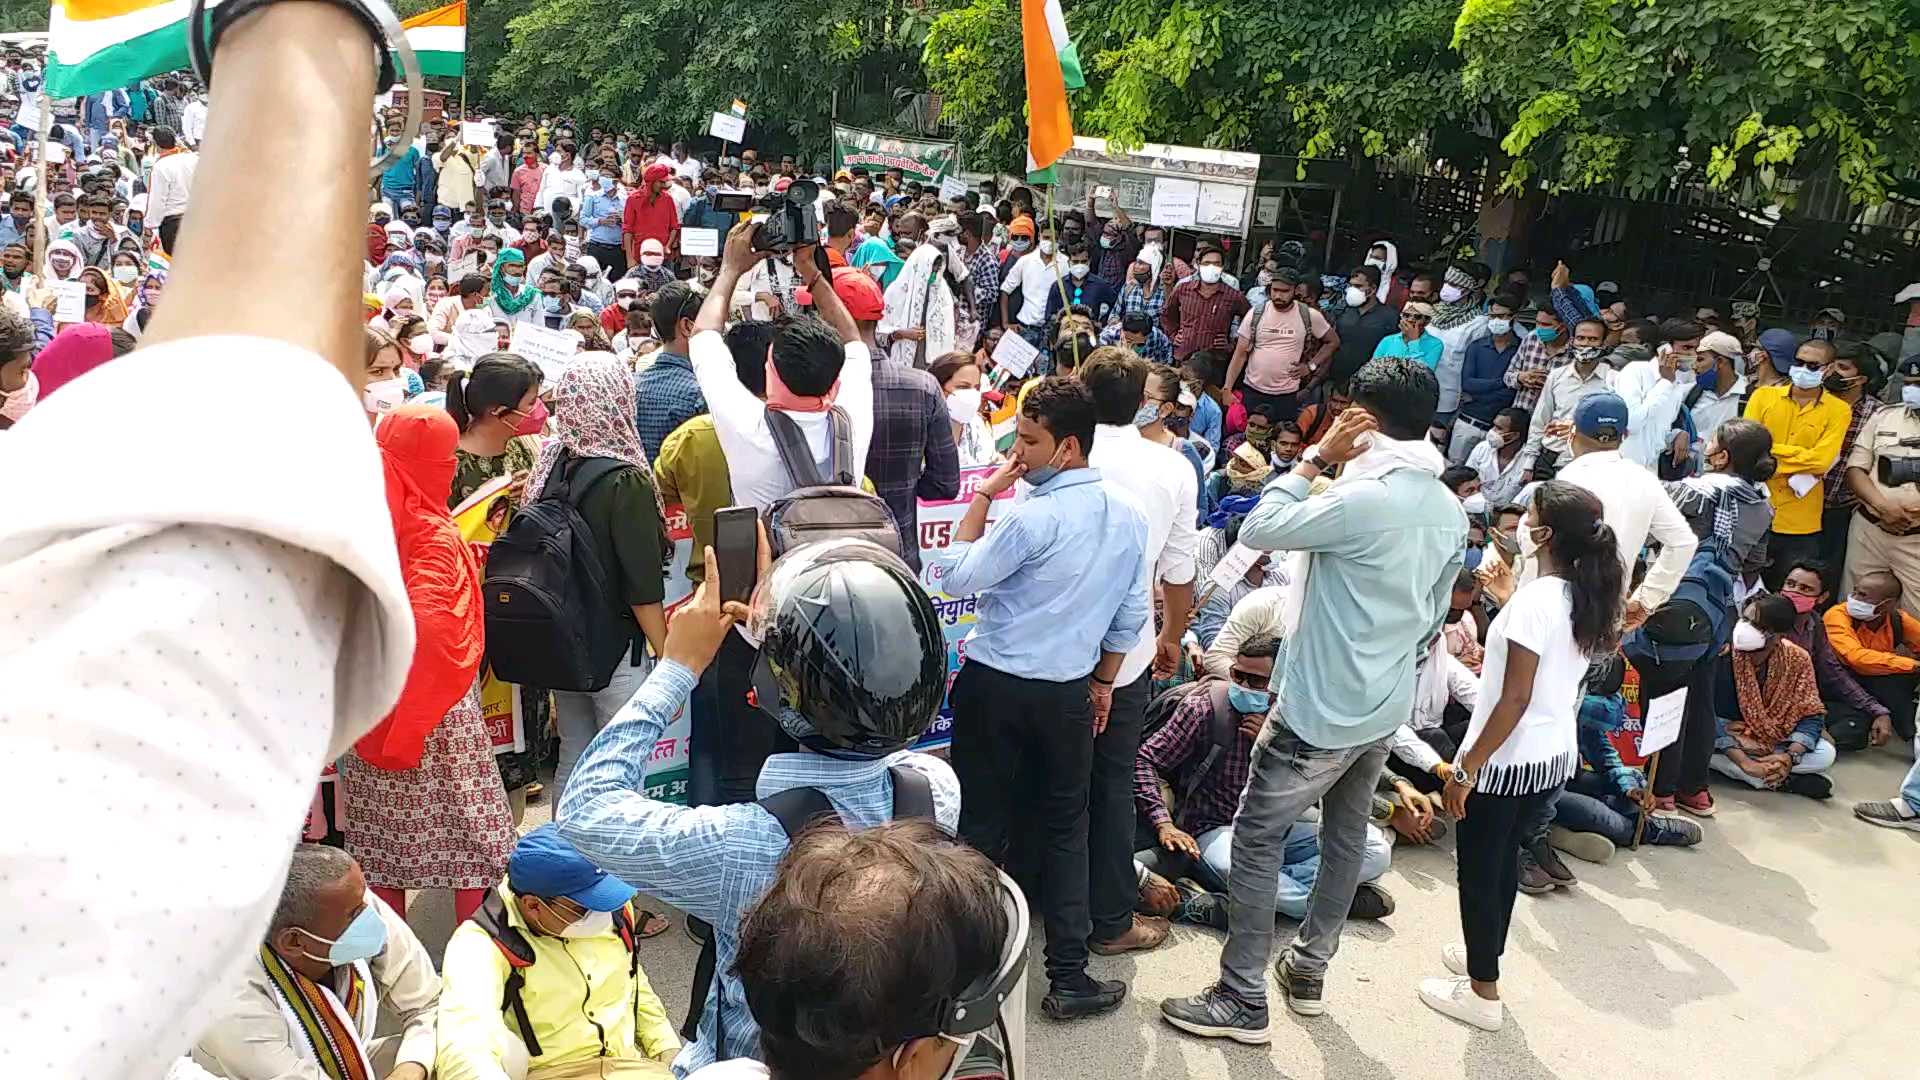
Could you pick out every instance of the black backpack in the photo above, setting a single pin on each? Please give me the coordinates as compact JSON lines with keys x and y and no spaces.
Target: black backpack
{"x":824,"y":509}
{"x":795,"y":809}
{"x":549,"y":622}
{"x":1223,"y":734}
{"x":492,"y":917}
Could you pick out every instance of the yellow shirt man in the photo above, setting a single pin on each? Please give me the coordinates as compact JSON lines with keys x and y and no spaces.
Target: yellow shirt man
{"x":1806,"y":442}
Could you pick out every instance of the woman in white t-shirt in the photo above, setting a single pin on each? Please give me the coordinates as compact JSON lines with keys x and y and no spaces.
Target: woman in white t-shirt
{"x":1522,"y":742}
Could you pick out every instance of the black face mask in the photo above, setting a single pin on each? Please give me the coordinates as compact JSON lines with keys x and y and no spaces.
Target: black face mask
{"x":1454,"y":615}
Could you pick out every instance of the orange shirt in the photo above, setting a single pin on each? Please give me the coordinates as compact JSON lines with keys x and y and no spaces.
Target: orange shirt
{"x":1867,"y":649}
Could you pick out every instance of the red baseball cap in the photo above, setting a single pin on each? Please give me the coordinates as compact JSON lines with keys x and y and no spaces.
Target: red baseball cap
{"x":856,"y":289}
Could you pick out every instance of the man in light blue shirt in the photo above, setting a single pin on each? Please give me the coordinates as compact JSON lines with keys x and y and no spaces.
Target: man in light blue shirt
{"x":1061,"y":584}
{"x":1383,"y":546}
{"x":601,"y":212}
{"x":1413,"y":341}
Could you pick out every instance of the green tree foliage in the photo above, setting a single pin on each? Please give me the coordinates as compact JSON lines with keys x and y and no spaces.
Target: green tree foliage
{"x":664,"y":67}
{"x":1588,"y":92}
{"x":24,"y":16}
{"x":1350,"y":76}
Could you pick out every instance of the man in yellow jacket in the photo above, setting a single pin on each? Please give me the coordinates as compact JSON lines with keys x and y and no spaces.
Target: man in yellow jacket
{"x":543,"y":982}
{"x":1809,"y":426}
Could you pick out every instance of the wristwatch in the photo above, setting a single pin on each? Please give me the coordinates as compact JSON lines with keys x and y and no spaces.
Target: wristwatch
{"x":1463,"y":778}
{"x":1312,"y":457}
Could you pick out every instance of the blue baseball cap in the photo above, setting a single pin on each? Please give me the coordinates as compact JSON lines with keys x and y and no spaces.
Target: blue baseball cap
{"x":543,"y":864}
{"x":1601,"y":416}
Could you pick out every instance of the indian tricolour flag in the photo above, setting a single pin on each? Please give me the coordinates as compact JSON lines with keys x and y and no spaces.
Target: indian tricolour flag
{"x":439,"y":39}
{"x":1053,"y":68}
{"x":95,"y":45}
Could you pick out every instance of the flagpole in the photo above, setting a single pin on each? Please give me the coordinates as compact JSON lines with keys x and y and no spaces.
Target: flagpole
{"x":464,"y":27}
{"x":40,"y":210}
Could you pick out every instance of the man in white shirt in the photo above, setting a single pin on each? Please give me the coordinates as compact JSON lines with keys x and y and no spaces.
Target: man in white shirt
{"x":563,"y":179}
{"x":1633,"y":502}
{"x":1258,"y":614}
{"x":1566,"y":385}
{"x":1656,"y":390}
{"x":193,"y":121}
{"x":172,"y":179}
{"x":234,"y":641}
{"x":1161,"y":483}
{"x":808,"y":364}
{"x":1031,"y":275}
{"x":684,"y":165}
{"x":1720,"y":384}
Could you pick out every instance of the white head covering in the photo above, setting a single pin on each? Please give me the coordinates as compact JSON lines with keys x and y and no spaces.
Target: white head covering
{"x":1150,"y":254}
{"x":1386,"y":272}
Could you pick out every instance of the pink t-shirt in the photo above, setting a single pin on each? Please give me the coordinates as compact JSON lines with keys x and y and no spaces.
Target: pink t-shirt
{"x":1274,"y":363}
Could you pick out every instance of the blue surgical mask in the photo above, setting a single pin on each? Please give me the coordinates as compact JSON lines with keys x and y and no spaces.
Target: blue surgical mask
{"x":1041,"y":475}
{"x":512,"y":281}
{"x":1805,"y":378}
{"x":1251,"y":702}
{"x":363,"y":939}
{"x":1146,"y":414}
{"x":554,"y":304}
{"x":1546,"y":333}
{"x":1708,"y":380}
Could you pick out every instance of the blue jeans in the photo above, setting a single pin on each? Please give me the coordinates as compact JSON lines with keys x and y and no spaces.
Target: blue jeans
{"x":1910,"y":790}
{"x":1302,"y":865}
{"x":1817,"y":760}
{"x":1588,"y":804}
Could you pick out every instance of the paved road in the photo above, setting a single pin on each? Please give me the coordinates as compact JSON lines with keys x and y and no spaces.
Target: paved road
{"x":1783,"y":946}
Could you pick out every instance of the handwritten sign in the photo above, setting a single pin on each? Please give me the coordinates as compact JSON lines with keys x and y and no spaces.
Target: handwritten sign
{"x":1176,"y":203}
{"x":464,"y":265}
{"x":477,"y":132}
{"x":952,"y":187}
{"x":700,"y":241}
{"x":1014,"y":355}
{"x":728,"y":128}
{"x":70,"y":301}
{"x":1233,"y":565}
{"x":1662,"y":722}
{"x":549,"y":350}
{"x":1266,"y":210}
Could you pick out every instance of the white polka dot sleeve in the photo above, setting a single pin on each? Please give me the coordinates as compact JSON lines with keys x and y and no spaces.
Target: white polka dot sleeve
{"x":200,"y":605}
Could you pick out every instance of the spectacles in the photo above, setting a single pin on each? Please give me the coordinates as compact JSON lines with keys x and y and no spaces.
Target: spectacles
{"x":1250,"y":679}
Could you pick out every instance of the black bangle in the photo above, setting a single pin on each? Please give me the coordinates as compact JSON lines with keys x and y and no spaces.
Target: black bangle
{"x":1100,"y":681}
{"x":203,"y":36}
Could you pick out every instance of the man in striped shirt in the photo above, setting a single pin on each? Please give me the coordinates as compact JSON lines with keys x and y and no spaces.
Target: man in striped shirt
{"x":1540,"y":351}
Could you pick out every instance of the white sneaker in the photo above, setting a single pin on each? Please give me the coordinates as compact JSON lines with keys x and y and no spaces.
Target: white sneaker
{"x":1455,"y":957}
{"x":1455,"y":997}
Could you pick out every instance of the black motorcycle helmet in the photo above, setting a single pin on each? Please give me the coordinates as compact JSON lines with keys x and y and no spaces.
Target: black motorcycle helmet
{"x":852,"y":662}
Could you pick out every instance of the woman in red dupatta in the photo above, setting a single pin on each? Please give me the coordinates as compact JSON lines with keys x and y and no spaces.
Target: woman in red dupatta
{"x":425,"y":807}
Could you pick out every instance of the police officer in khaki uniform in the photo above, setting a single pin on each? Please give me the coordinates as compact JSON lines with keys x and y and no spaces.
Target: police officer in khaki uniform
{"x":1885,"y":532}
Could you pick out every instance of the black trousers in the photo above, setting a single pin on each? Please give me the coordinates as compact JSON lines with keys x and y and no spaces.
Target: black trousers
{"x":1282,"y":407}
{"x":1683,"y":765}
{"x":1785,"y":549}
{"x":1111,"y":886}
{"x":1023,"y":752}
{"x":1489,"y":875}
{"x":1445,"y":741}
{"x":611,"y":257}
{"x":1834,"y":523}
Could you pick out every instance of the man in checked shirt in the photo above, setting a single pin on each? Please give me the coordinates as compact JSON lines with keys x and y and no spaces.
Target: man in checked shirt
{"x":1196,"y":838}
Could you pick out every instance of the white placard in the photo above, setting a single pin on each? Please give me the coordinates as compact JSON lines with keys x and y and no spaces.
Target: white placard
{"x":549,"y":350}
{"x":1222,"y":205}
{"x":464,"y":265}
{"x":1233,"y":565}
{"x":700,"y":242}
{"x":573,"y":249}
{"x":1660,"y":724}
{"x":477,"y":132}
{"x":1266,"y":210}
{"x":952,"y":187}
{"x":70,"y":301}
{"x":29,"y":115}
{"x":57,"y":153}
{"x":1014,"y":355}
{"x":728,"y":128}
{"x":1175,"y":203}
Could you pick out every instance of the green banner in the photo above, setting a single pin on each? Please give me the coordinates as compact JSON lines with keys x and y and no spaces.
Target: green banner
{"x":917,"y":159}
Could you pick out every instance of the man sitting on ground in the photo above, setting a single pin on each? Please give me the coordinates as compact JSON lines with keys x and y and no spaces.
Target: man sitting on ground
{"x":1876,"y":640}
{"x":1188,"y":754}
{"x":334,"y":954}
{"x":545,"y":982}
{"x":1854,"y":716}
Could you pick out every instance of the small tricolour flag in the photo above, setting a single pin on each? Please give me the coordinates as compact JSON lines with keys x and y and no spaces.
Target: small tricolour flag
{"x":95,"y":45}
{"x":1053,"y":68}
{"x":439,"y":39}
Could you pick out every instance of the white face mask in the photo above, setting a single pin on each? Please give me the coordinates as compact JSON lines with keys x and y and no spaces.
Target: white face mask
{"x":1209,"y":273}
{"x":1499,"y":327}
{"x":125,"y":274}
{"x":1079,"y":270}
{"x":624,"y":302}
{"x":421,"y":344}
{"x":1747,"y":637}
{"x":1450,"y":294}
{"x":1910,"y":395}
{"x":1381,"y":263}
{"x":1356,"y":296}
{"x":964,"y":405}
{"x":1860,"y":609}
{"x":1046,"y":247}
{"x":652,"y":262}
{"x":1475,"y":504}
{"x":1496,"y":439}
{"x":1806,"y":378}
{"x":1529,"y":545}
{"x":592,"y":924}
{"x":384,"y":396}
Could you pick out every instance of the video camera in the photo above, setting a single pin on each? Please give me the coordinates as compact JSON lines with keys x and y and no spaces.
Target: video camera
{"x":1896,"y":471}
{"x":791,"y":218}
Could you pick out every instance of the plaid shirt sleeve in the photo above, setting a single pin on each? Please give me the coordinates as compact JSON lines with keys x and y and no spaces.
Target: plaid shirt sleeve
{"x":1165,"y":752}
{"x":1838,"y":495}
{"x":1530,"y":356}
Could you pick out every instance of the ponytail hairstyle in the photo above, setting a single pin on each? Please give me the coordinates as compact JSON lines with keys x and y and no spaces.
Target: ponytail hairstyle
{"x":1588,"y":556}
{"x":1749,"y":447}
{"x":498,"y":379}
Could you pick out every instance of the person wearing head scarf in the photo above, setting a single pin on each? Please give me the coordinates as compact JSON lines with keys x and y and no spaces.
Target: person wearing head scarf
{"x":73,"y":352}
{"x":104,"y":305}
{"x":593,"y":417}
{"x":877,"y":257}
{"x":1384,"y":255}
{"x":424,"y":805}
{"x":376,"y":244}
{"x":512,"y":296}
{"x":62,"y":263}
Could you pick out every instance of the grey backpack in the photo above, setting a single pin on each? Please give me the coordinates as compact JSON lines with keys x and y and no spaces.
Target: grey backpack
{"x":824,"y":508}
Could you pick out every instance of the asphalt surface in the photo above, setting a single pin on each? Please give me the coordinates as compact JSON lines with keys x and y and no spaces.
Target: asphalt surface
{"x":1785,"y":945}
